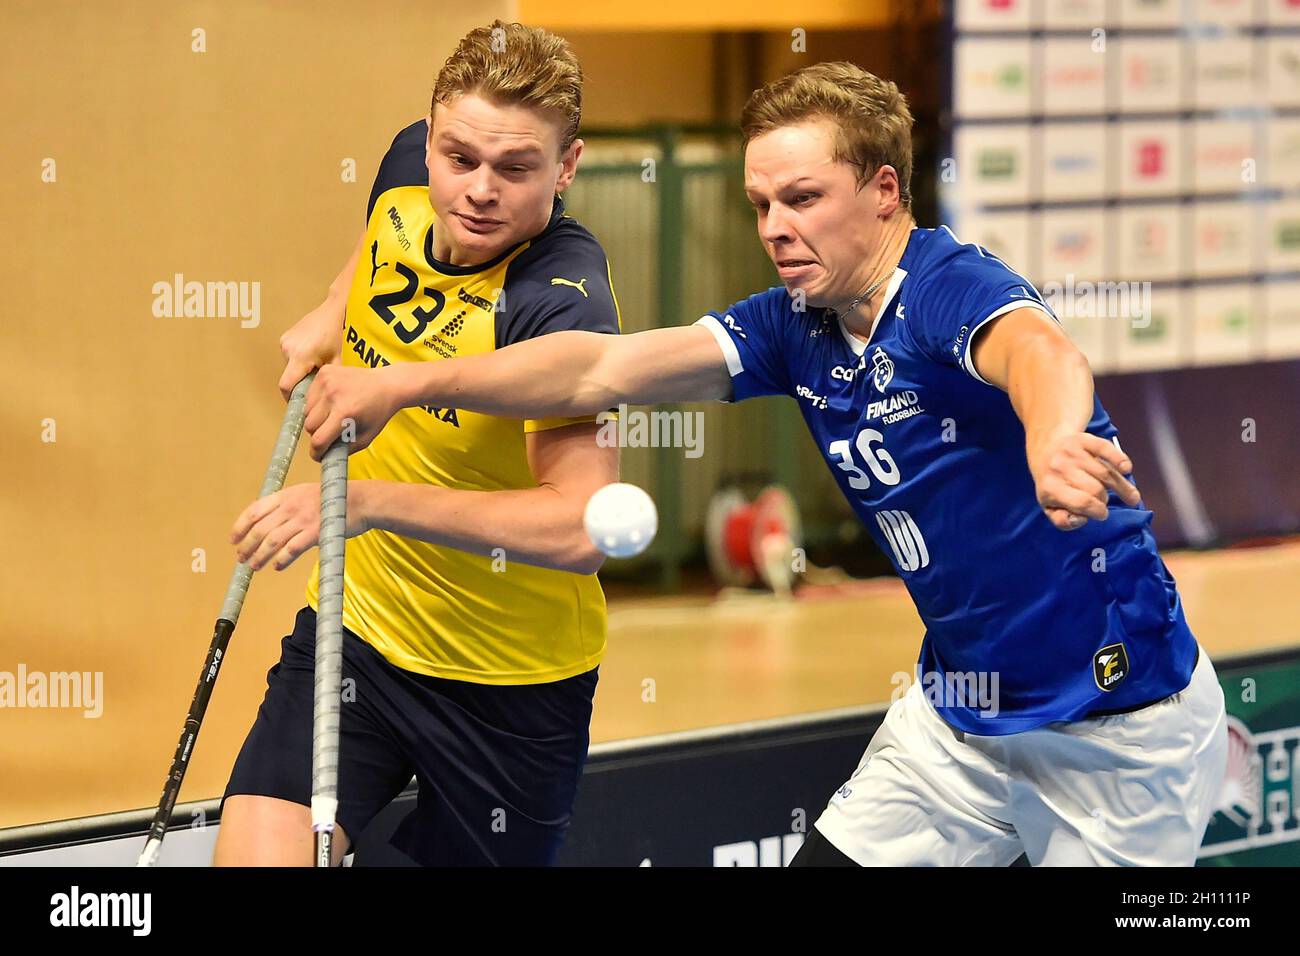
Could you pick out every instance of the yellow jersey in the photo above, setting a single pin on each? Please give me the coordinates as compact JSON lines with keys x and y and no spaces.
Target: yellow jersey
{"x":427,"y":608}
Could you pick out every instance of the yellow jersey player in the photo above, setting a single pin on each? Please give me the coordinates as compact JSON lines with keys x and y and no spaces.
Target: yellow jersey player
{"x":474,"y":620}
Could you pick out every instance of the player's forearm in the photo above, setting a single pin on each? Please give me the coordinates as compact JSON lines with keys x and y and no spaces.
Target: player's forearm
{"x":568,"y":374}
{"x":1051,"y":388}
{"x":538,"y":526}
{"x":548,"y":376}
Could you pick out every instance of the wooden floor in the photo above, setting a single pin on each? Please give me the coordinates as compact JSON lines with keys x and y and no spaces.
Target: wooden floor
{"x":671,"y":665}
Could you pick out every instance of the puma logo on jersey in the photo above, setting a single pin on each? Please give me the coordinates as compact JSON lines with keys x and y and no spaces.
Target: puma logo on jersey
{"x":374,"y":265}
{"x":577,"y":285}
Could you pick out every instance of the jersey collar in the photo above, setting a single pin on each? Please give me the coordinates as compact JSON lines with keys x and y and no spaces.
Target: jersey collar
{"x":856,"y":344}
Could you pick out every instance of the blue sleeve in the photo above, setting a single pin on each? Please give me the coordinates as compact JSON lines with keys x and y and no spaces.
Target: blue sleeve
{"x":752,"y":334}
{"x":954,"y":302}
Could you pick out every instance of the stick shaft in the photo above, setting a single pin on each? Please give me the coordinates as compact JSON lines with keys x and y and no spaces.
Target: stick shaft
{"x":286,"y":444}
{"x":329,"y":648}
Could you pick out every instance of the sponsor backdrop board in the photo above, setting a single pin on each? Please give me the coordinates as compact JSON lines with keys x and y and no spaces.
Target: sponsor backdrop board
{"x":1149,"y":143}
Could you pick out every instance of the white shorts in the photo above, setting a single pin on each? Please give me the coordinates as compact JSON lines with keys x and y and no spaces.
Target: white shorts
{"x":1135,"y":789}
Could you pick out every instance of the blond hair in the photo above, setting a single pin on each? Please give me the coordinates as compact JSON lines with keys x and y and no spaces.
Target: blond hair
{"x":512,"y":64}
{"x":873,"y":123}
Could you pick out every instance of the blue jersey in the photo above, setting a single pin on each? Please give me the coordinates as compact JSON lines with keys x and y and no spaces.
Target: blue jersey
{"x":1025,"y":624}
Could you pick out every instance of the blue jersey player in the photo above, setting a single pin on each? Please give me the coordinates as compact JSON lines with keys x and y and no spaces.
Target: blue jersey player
{"x":1062,"y":707}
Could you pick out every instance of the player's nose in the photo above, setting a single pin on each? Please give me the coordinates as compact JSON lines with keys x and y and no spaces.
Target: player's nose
{"x":774,"y":228}
{"x":482,"y":188}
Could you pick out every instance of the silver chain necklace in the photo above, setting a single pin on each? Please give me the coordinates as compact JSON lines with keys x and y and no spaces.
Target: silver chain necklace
{"x":871,"y":290}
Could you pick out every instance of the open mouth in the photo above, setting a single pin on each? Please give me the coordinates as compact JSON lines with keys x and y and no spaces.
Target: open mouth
{"x":792,"y":268}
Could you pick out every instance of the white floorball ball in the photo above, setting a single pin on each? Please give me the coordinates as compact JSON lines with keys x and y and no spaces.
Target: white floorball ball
{"x":621,"y":520}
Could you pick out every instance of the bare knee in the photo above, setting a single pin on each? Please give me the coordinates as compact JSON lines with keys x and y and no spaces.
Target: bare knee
{"x":268,"y":831}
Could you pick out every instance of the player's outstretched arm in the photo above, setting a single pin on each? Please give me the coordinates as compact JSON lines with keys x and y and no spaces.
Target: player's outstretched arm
{"x":564,"y":374}
{"x":1030,"y":357}
{"x":580,"y":373}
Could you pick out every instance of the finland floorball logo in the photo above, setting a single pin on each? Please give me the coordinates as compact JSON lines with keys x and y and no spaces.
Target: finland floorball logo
{"x":882,"y":369}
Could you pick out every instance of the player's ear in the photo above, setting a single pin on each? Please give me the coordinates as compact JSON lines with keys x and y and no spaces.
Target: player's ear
{"x":569,"y":165}
{"x":887,"y":191}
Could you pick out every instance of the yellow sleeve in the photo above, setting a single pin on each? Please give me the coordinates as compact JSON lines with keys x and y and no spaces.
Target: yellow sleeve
{"x":546,"y":424}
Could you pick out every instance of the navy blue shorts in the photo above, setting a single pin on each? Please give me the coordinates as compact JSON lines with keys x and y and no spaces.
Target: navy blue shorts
{"x":497,"y":765}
